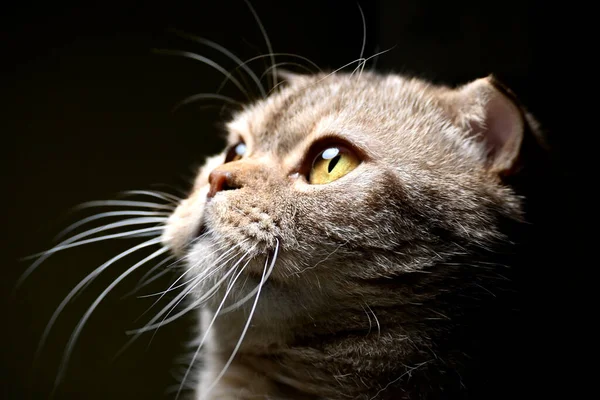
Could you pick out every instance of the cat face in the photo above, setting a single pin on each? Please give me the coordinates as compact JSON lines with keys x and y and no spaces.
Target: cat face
{"x":339,"y":181}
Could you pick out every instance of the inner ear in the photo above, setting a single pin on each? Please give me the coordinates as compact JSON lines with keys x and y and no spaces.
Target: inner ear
{"x":490,"y":112}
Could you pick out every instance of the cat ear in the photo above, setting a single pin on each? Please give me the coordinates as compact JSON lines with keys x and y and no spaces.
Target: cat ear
{"x":492,"y":114}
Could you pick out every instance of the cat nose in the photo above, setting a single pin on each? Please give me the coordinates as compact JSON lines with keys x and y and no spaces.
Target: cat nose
{"x":220,"y":180}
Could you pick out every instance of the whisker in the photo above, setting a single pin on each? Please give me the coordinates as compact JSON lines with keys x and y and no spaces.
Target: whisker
{"x":201,"y":277}
{"x":197,"y":279}
{"x":138,"y":235}
{"x":43,"y":256}
{"x":123,"y":203}
{"x":156,"y":317}
{"x":228,"y":53}
{"x":207,"y":61}
{"x":152,"y":325}
{"x":89,"y":278}
{"x":364,"y":40}
{"x":171,"y":288}
{"x":182,"y":192}
{"x":352,"y":62}
{"x":68,"y":243}
{"x":304,"y":67}
{"x":300,"y":271}
{"x":312,"y":63}
{"x":94,"y":217}
{"x":209,"y":293}
{"x":82,"y":322}
{"x":153,"y":193}
{"x":263,"y":279}
{"x":145,"y":280}
{"x":203,"y":96}
{"x":202,"y":299}
{"x":267,"y":41}
{"x":208,"y":328}
{"x":149,"y":326}
{"x":255,"y":290}
{"x":364,"y":25}
{"x":275,"y":87}
{"x":376,"y":55}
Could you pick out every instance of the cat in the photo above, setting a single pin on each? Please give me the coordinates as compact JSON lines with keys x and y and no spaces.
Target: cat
{"x":355,"y":241}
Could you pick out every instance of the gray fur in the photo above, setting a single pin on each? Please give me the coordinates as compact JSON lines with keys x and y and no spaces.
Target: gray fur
{"x":376,"y":271}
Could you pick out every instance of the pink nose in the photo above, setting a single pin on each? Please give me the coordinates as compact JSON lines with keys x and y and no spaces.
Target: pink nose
{"x":220,"y":180}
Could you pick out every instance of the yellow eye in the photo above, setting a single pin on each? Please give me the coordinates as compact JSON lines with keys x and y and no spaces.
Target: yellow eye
{"x":331,"y":164}
{"x":236,"y":152}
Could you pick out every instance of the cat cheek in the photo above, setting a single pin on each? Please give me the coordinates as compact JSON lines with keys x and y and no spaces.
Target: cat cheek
{"x":185,"y":221}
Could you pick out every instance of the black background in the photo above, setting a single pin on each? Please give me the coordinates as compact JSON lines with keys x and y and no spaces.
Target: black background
{"x":88,"y":113}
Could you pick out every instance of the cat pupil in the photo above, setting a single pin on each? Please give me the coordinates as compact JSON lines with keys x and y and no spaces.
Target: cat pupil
{"x":333,"y":163}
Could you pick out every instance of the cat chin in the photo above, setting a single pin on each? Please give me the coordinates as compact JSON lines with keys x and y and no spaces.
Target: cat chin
{"x":234,"y":280}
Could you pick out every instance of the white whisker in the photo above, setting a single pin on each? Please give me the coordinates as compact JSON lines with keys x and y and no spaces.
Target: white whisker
{"x":172,"y":288}
{"x":84,"y":282}
{"x":229,"y":54}
{"x":208,"y":328}
{"x":109,"y":214}
{"x":145,"y":280}
{"x":202,"y":96}
{"x":201,"y":300}
{"x":267,"y":41}
{"x":263,"y":279}
{"x":364,"y":25}
{"x":197,"y":279}
{"x":209,"y":62}
{"x":153,"y":193}
{"x":304,"y":67}
{"x":352,"y":62}
{"x":275,"y":87}
{"x":255,"y":290}
{"x":43,"y":256}
{"x":300,"y":271}
{"x":123,"y":203}
{"x":312,"y":63}
{"x":152,"y":325}
{"x":80,"y":325}
{"x":364,"y":39}
{"x":156,"y":317}
{"x":175,"y":301}
{"x":138,"y":235}
{"x":182,"y":192}
{"x":70,"y":242}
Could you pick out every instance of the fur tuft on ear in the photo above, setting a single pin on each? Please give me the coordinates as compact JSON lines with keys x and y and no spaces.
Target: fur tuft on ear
{"x":289,"y":78}
{"x":490,"y":112}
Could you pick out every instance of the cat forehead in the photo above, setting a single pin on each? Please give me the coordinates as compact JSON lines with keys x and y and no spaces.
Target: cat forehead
{"x":344,"y":105}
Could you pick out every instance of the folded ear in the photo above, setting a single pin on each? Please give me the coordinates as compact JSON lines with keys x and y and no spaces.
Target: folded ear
{"x":492,"y":114}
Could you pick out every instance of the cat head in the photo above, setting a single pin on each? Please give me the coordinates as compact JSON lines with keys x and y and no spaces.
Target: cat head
{"x":338,"y":181}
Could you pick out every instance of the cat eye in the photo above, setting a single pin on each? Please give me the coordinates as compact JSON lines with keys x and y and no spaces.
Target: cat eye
{"x":236,"y":152}
{"x":331,"y":164}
